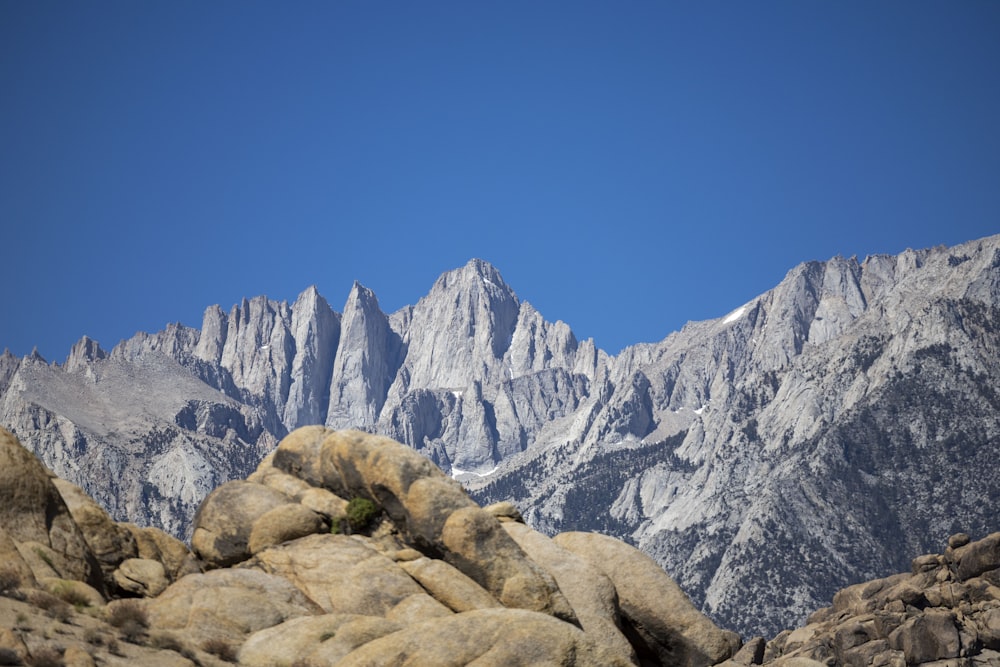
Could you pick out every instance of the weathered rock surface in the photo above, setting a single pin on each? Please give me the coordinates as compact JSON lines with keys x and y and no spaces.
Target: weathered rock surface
{"x":434,"y":580}
{"x":487,"y":637}
{"x":396,"y":593}
{"x":940,"y":613}
{"x":141,"y":576}
{"x":671,"y":630}
{"x":37,"y":521}
{"x":228,"y":604}
{"x":225,"y":521}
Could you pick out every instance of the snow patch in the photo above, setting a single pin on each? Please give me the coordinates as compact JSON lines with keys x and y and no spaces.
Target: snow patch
{"x":265,"y":347}
{"x":735,"y":315}
{"x":455,"y":472}
{"x":701,"y":409}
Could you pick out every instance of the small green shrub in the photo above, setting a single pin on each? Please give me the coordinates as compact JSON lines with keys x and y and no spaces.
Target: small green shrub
{"x":361,"y":513}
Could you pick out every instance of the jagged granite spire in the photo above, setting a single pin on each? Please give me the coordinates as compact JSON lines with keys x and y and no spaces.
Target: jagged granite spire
{"x":365,"y":365}
{"x":316,"y":332}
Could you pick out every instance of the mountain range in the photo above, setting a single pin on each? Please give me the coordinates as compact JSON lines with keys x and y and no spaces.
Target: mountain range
{"x":807,"y":440}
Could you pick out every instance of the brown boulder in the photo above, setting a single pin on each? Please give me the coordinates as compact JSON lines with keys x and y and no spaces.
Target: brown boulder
{"x":299,"y":640}
{"x":227,"y":604}
{"x":384,"y":471}
{"x":282,"y":524}
{"x":476,"y":543}
{"x":225,"y":519}
{"x":110,"y":542}
{"x":154,"y":544}
{"x":486,"y":638}
{"x":32,"y":511}
{"x":141,"y":576}
{"x":342,"y":574}
{"x":590,"y":592}
{"x":448,"y":585}
{"x":437,"y":516}
{"x":298,"y":454}
{"x":975,"y":558}
{"x":668,"y":625}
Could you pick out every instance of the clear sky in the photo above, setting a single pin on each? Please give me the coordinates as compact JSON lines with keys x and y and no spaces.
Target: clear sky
{"x":628,"y":166}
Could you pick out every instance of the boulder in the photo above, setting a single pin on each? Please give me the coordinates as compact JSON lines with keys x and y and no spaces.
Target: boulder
{"x":282,"y":524}
{"x":415,"y":608}
{"x":154,"y":544}
{"x":989,"y":629}
{"x":590,"y":592}
{"x":384,"y":471}
{"x":665,"y":623}
{"x":227,"y":604}
{"x":927,"y":637}
{"x":486,"y":638}
{"x":72,"y":591}
{"x":298,"y":454}
{"x":505,"y":511}
{"x":280,"y":481}
{"x":974,"y":558}
{"x":320,"y":639}
{"x":448,"y":585}
{"x":12,"y":563}
{"x":225,"y":519}
{"x":341,"y":573}
{"x":324,"y":502}
{"x":32,"y":511}
{"x":476,"y":543}
{"x":110,"y":542}
{"x":141,"y":576}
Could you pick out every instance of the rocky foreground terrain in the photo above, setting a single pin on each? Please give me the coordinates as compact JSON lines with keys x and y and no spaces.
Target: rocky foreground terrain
{"x":351,"y":549}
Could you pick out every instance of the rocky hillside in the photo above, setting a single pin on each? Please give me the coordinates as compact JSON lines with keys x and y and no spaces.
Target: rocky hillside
{"x":807,"y":440}
{"x":345,"y":548}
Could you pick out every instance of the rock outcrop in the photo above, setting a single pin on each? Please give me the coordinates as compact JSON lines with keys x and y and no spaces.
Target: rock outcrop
{"x":81,"y":589}
{"x":944,"y":611}
{"x":429,"y":578}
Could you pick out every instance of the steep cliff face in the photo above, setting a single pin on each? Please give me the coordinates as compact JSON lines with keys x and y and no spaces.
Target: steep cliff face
{"x":830,"y":415}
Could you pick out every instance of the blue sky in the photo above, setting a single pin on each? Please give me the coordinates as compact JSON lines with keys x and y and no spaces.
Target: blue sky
{"x":628,"y":166}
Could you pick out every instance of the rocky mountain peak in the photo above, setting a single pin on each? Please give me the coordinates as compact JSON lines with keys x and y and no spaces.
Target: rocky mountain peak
{"x":85,"y":350}
{"x":365,"y":364}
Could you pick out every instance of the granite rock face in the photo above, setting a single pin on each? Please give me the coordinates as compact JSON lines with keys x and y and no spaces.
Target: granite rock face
{"x":827,"y":420}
